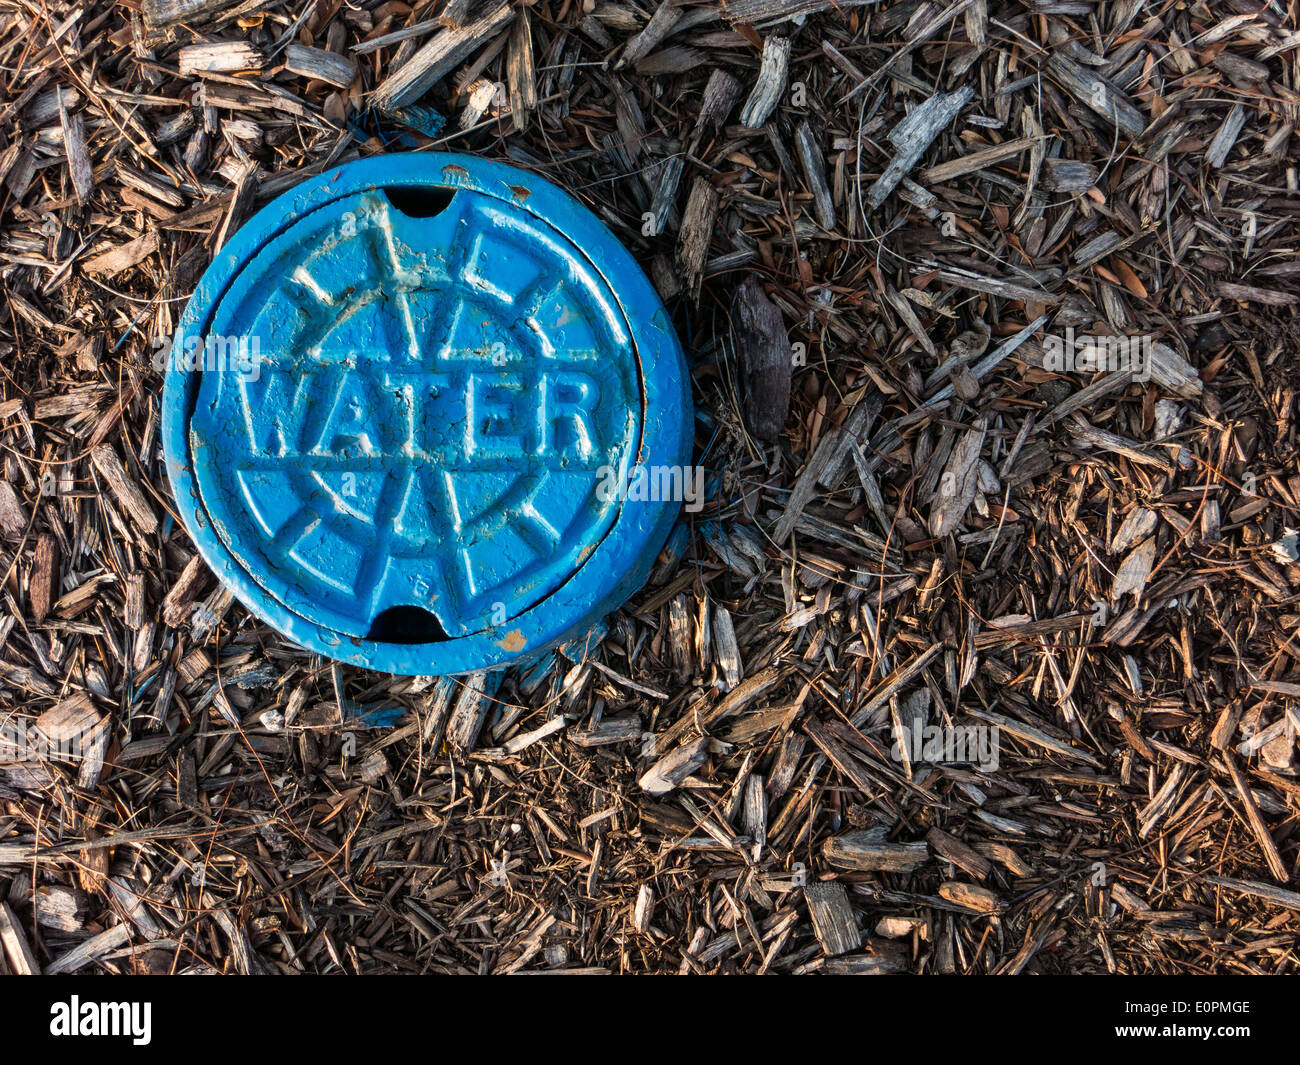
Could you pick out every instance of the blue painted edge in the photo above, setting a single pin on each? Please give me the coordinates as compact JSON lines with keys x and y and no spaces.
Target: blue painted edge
{"x":620,"y":563}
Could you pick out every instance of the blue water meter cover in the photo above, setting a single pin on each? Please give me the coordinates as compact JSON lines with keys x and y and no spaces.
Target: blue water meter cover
{"x":404,"y":404}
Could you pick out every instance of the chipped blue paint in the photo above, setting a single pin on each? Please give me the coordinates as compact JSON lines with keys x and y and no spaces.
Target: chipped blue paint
{"x":423,"y":120}
{"x":409,"y":372}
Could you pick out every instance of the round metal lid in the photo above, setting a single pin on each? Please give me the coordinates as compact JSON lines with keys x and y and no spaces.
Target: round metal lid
{"x":396,"y":405}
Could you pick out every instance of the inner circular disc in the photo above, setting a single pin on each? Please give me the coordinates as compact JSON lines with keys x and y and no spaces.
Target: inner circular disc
{"x":409,"y":401}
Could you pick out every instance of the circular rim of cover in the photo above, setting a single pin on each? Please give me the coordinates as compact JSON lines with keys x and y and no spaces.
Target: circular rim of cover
{"x":605,"y":552}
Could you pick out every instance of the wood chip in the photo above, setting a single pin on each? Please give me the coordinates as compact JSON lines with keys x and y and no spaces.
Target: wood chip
{"x":124,"y":488}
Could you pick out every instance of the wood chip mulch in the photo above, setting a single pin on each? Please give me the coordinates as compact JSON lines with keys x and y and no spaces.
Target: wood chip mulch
{"x":870,"y":220}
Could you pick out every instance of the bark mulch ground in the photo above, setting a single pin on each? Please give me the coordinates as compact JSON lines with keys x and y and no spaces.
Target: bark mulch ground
{"x":878,"y":227}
